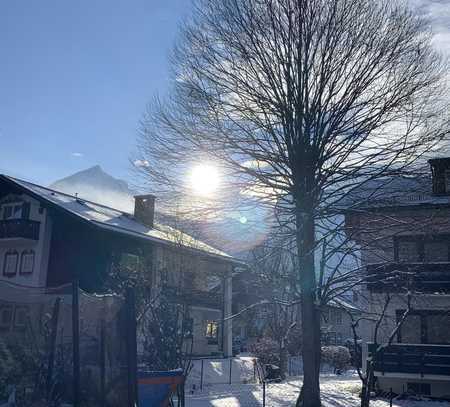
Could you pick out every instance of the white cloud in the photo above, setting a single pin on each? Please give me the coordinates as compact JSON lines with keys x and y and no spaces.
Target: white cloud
{"x":141,"y":163}
{"x":78,"y":155}
{"x":438,"y":11}
{"x":255,"y":164}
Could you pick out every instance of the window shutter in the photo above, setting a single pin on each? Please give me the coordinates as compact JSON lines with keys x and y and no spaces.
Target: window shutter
{"x":26,"y":210}
{"x":27,"y":262}
{"x":10,"y":263}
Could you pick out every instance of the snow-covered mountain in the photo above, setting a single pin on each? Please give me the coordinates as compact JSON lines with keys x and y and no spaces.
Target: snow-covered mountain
{"x":96,"y":185}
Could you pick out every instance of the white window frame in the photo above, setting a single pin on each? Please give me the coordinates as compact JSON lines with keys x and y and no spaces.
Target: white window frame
{"x":13,"y":206}
{"x":21,"y":309}
{"x":10,"y":253}
{"x":24,"y":254}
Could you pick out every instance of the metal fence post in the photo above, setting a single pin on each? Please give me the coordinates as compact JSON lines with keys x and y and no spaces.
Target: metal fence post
{"x":201,"y":377}
{"x":76,"y":342}
{"x":264,"y":393}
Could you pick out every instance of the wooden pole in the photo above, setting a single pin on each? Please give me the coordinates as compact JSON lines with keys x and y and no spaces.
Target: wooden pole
{"x":132,"y":347}
{"x":76,"y":342}
{"x":51,"y":355}
{"x":103,"y":363}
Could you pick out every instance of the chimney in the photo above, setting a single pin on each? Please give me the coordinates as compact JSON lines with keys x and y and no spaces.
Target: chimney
{"x":440,"y":173}
{"x":144,"y":209}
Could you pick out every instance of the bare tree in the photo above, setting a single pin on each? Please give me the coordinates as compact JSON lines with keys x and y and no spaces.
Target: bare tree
{"x":377,"y":319}
{"x":298,"y":103}
{"x":273,"y":266}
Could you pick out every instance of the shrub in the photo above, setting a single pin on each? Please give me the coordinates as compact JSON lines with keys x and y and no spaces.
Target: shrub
{"x":336,"y":356}
{"x":267,"y":351}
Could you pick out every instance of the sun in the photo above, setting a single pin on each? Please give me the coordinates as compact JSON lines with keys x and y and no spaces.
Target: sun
{"x":204,"y":179}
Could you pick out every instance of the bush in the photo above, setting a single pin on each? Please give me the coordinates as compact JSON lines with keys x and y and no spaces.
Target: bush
{"x":267,"y":351}
{"x":336,"y":356}
{"x":295,"y":341}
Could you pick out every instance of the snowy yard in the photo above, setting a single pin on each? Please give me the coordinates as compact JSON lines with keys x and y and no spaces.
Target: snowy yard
{"x":336,"y":392}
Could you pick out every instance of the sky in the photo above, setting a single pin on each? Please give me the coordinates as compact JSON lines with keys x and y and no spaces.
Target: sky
{"x":75,"y":78}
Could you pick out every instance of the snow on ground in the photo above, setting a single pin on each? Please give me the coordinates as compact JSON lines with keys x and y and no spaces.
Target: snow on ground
{"x":337,"y":391}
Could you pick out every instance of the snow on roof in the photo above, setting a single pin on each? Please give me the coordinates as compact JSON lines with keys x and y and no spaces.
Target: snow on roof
{"x":396,"y":192}
{"x":340,"y":303}
{"x":115,"y":220}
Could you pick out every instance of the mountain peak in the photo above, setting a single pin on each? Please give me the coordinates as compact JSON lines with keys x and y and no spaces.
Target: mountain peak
{"x":94,"y":184}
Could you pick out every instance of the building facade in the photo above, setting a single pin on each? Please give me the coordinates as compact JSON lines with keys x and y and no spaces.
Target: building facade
{"x":403,"y":230}
{"x":49,"y":239}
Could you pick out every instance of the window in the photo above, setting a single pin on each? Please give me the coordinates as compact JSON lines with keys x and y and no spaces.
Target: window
{"x":408,"y":251}
{"x":435,"y":251}
{"x":212,"y":331}
{"x":336,"y":316}
{"x":6,"y":317}
{"x":411,"y":330}
{"x":10,"y":263}
{"x":27,"y":262}
{"x":129,"y":261}
{"x":20,"y":317}
{"x":12,"y":211}
{"x":429,"y":249}
{"x":437,"y":328}
{"x":425,"y":326}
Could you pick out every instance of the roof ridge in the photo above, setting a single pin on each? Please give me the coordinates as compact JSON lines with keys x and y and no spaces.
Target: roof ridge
{"x":68,"y":195}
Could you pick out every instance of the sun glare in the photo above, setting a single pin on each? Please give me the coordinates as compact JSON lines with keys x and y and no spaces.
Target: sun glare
{"x":204,"y":179}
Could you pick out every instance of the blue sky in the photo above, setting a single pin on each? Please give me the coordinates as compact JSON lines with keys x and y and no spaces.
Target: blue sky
{"x":75,"y":77}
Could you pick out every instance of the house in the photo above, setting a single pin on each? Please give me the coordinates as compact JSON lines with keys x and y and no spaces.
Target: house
{"x":402,"y":226}
{"x":48,"y":239}
{"x":259,"y":316}
{"x":335,"y":326}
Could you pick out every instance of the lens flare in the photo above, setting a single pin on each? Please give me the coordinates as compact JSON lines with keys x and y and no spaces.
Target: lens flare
{"x":204,"y":179}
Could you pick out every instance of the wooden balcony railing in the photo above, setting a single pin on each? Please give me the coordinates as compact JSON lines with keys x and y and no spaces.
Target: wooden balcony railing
{"x":193,"y":297}
{"x":400,"y":277}
{"x":19,"y":228}
{"x":412,"y":359}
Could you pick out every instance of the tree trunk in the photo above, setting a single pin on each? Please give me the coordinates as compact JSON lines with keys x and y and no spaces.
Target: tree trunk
{"x":310,"y":393}
{"x":283,"y":359}
{"x":366,"y":386}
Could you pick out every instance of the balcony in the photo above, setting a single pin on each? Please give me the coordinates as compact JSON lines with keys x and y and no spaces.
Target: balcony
{"x":412,"y":359}
{"x":399,"y":277}
{"x":193,"y":297}
{"x":19,"y":229}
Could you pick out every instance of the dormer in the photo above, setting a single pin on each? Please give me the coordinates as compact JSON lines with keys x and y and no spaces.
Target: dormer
{"x":440,"y":172}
